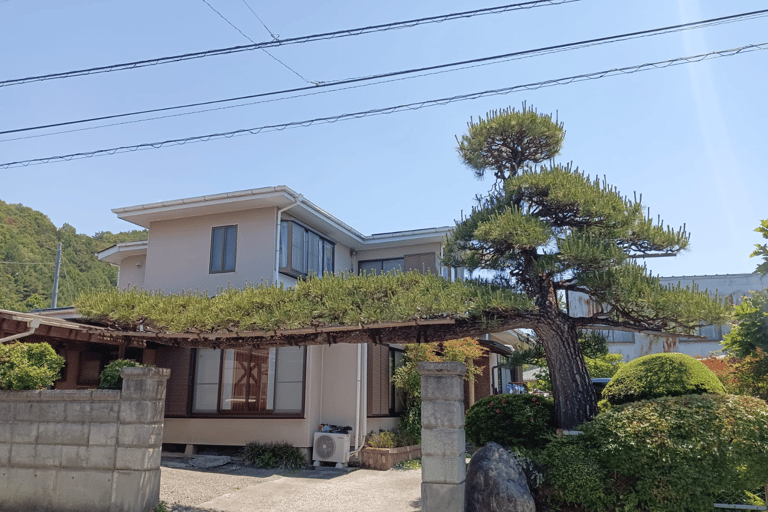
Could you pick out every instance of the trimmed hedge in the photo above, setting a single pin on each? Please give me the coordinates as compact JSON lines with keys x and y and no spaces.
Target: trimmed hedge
{"x":672,"y":454}
{"x":520,"y":421}
{"x":28,"y":366}
{"x":658,"y":375}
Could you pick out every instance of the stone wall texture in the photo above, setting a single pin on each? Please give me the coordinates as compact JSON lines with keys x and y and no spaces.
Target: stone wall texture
{"x":443,"y":444}
{"x":79,"y":450}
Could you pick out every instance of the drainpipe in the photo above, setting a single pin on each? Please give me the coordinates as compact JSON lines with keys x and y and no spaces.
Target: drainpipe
{"x":364,"y":364}
{"x":32,"y":325}
{"x":357,"y":410}
{"x":275,"y":275}
{"x":362,"y":398}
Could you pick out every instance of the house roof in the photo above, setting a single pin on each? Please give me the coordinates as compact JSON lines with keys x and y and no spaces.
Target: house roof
{"x":116,"y":253}
{"x":48,"y":328}
{"x":269,"y":197}
{"x":54,"y":330}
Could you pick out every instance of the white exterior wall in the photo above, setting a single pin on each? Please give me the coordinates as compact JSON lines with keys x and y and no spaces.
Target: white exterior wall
{"x":399,"y":252}
{"x":731,"y":287}
{"x":131,"y":272}
{"x":179,"y":251}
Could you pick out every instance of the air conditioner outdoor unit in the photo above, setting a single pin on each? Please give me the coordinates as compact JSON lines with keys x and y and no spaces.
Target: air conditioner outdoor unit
{"x":331,"y":448}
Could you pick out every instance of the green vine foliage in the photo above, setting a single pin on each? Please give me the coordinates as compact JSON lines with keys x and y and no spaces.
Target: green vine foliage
{"x":408,"y":379}
{"x":513,"y":421}
{"x":110,"y":378}
{"x":28,"y":366}
{"x":658,"y":375}
{"x":672,"y":454}
{"x":346,"y":299}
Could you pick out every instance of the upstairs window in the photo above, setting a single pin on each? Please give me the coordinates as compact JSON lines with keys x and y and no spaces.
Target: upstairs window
{"x":223,"y":249}
{"x":378,"y":267}
{"x":304,"y":252}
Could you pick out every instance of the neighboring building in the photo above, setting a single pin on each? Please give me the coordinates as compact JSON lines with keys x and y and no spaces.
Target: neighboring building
{"x":270,"y":235}
{"x":730,"y":287}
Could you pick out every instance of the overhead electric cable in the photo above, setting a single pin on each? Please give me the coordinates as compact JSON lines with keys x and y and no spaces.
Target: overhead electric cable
{"x":398,"y":108}
{"x":274,"y":36}
{"x":423,"y":70}
{"x":286,"y":66}
{"x":282,"y":42}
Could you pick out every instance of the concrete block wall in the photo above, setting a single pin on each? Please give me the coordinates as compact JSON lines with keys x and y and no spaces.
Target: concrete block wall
{"x":443,"y":464}
{"x":76,"y":450}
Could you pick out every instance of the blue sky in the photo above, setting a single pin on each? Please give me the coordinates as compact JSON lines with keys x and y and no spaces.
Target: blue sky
{"x":690,"y":138}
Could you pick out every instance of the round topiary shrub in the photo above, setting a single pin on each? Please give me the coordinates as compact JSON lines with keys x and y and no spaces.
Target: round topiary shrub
{"x":659,"y":375}
{"x":671,"y":454}
{"x":28,"y":366}
{"x":110,"y":378}
{"x":522,"y":421}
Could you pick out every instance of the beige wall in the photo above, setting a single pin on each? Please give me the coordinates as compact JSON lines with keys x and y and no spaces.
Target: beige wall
{"x":131,"y":272}
{"x":178,"y":254}
{"x":340,"y":384}
{"x":398,"y":252}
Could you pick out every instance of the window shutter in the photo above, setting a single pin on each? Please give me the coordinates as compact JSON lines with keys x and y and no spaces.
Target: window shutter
{"x":378,"y":380}
{"x":422,"y":263}
{"x":179,"y":360}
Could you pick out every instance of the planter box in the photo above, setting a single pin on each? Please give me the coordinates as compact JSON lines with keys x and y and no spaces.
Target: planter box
{"x":384,"y":458}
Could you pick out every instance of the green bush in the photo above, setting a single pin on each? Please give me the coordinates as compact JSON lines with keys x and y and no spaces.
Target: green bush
{"x":659,"y":375}
{"x":394,"y":438}
{"x":672,"y":454}
{"x":524,"y":421}
{"x":110,"y":375}
{"x":28,"y":366}
{"x":282,"y":456}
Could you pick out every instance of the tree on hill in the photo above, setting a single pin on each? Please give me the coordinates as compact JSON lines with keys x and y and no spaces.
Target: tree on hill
{"x":546,"y":230}
{"x":28,"y":242}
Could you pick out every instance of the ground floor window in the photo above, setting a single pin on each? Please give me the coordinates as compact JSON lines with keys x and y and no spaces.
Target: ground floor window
{"x":249,"y":381}
{"x":384,"y":399}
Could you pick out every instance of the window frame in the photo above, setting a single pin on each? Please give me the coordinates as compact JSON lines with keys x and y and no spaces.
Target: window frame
{"x":225,"y":413}
{"x":286,"y":250}
{"x":381,"y":261}
{"x":222,"y":265}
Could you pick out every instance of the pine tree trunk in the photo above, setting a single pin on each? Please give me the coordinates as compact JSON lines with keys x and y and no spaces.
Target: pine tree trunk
{"x":575,"y":398}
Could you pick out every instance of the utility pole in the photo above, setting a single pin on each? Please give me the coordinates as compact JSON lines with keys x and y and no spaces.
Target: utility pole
{"x":56,"y":276}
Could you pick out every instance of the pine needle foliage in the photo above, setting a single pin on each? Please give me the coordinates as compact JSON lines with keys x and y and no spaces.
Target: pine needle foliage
{"x":505,"y":140}
{"x":331,"y":300}
{"x":551,"y":231}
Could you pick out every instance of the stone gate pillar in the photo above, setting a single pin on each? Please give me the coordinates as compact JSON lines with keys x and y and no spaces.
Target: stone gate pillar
{"x":443,"y":465}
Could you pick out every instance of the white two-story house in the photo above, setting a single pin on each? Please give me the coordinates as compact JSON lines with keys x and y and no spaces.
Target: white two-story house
{"x":271,"y":235}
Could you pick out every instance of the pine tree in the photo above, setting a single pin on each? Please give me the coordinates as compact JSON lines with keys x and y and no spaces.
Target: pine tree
{"x":547,"y":229}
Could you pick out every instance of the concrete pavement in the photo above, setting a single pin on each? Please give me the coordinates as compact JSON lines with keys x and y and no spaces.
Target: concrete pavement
{"x":320,"y":490}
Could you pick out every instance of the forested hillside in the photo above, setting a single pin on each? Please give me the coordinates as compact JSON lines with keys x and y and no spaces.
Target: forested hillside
{"x":28,"y":241}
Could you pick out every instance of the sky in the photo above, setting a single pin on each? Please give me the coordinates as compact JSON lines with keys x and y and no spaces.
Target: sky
{"x":689,"y":138}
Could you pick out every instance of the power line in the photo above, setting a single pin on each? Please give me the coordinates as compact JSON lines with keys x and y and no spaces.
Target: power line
{"x":274,"y":36}
{"x":284,"y":42}
{"x":423,"y":71}
{"x":25,"y":262}
{"x":286,"y":66}
{"x":399,"y":108}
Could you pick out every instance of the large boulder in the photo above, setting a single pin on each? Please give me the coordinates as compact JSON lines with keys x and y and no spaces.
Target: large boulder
{"x":496,"y":483}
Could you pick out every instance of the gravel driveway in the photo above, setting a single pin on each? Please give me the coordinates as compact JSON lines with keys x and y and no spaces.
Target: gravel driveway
{"x":237,"y":488}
